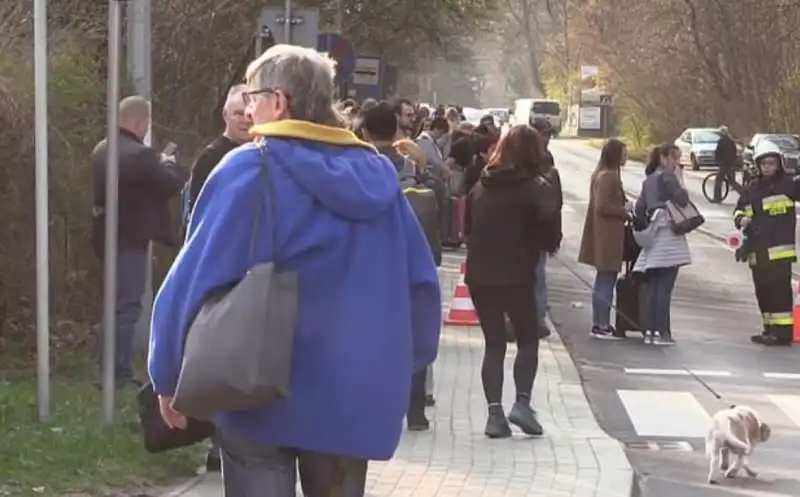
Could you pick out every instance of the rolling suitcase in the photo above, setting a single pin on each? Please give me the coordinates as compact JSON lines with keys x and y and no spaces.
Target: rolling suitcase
{"x":629,"y":291}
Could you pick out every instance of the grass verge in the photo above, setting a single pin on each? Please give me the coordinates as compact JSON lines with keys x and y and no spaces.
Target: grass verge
{"x":75,"y":454}
{"x":634,"y":153}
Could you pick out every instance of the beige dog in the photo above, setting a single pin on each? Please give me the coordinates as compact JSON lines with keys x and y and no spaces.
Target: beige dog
{"x":736,"y":430}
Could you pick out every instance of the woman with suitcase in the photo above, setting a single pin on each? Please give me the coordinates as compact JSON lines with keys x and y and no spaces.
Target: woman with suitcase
{"x":602,"y":244}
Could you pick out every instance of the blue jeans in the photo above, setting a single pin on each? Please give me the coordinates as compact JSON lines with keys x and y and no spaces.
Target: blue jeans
{"x":602,"y":297}
{"x":540,"y":290}
{"x":658,"y":298}
{"x":131,"y":280}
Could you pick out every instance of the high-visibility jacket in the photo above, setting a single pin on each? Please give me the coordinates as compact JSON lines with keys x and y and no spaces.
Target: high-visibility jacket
{"x":770,"y":204}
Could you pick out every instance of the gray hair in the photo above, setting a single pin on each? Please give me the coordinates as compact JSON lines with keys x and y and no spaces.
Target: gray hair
{"x":235,"y":95}
{"x":134,"y":107}
{"x":305,"y":75}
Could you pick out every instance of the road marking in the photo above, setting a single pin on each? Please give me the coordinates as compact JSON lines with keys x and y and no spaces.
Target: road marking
{"x":679,"y":372}
{"x":789,"y":405}
{"x":659,"y":413}
{"x":782,"y":376}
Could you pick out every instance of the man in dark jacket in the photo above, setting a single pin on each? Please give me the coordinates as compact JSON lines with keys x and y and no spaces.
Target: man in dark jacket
{"x":146,"y":183}
{"x":237,"y":132}
{"x":379,"y":126}
{"x":727,"y":156}
{"x":546,"y":132}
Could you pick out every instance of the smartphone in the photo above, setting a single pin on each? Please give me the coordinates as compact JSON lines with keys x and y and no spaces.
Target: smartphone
{"x":170,"y":149}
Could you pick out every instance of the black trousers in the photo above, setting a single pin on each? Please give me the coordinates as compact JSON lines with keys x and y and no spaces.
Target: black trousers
{"x":492,"y":304}
{"x":773,"y":286}
{"x":416,"y":404}
{"x":726,"y":173}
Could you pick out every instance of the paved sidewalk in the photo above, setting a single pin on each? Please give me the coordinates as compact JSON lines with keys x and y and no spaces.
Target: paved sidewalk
{"x":575,"y":458}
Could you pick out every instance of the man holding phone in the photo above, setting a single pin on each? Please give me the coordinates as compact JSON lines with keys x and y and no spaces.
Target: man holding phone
{"x":147,"y":182}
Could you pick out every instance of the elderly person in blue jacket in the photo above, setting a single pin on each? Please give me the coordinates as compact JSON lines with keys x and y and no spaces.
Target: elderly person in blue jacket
{"x":369,"y":302}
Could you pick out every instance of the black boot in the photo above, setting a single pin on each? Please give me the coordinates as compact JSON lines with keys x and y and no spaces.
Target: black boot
{"x":497,"y":424}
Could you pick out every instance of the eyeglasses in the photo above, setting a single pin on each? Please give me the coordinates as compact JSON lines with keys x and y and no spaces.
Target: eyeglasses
{"x":248,"y":96}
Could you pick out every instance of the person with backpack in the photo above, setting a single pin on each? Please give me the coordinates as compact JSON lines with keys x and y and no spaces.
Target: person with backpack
{"x":379,"y":126}
{"x":236,"y":132}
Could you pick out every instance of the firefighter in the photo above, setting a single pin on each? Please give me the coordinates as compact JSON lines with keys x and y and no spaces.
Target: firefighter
{"x":765,"y":213}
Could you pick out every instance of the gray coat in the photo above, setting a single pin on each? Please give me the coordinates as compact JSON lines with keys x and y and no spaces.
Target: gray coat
{"x":669,"y":249}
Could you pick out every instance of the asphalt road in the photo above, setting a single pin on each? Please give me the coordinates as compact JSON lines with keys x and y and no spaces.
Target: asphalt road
{"x":643,"y":395}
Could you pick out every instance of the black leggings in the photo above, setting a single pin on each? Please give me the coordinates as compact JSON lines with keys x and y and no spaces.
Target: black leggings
{"x":493,"y":303}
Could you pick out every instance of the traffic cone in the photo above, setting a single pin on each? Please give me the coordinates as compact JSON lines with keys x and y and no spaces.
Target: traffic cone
{"x":462,"y":312}
{"x":796,"y":312}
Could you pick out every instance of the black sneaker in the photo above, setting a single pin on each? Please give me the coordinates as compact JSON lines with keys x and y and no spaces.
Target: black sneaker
{"x":603,"y":334}
{"x":524,"y":417}
{"x":421,"y":424}
{"x":497,"y":424}
{"x":430,"y":401}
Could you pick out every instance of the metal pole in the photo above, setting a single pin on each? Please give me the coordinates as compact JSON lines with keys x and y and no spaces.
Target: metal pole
{"x":139,"y":20}
{"x":287,"y":18}
{"x":339,"y":16}
{"x":111,"y":209}
{"x":42,"y":213}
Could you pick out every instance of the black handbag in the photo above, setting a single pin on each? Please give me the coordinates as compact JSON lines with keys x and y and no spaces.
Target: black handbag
{"x":157,"y":436}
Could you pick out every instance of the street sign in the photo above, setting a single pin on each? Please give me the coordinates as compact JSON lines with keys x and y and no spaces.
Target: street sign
{"x":606,"y":99}
{"x":339,"y":49}
{"x":304,"y":24}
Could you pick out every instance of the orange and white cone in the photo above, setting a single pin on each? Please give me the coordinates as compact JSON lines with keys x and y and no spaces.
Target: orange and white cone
{"x":462,"y":312}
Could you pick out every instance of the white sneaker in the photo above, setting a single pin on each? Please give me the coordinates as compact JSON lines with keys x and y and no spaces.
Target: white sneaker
{"x":648,"y":337}
{"x":656,"y":338}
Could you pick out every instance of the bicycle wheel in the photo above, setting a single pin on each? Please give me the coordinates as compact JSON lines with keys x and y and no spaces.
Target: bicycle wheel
{"x":708,"y":188}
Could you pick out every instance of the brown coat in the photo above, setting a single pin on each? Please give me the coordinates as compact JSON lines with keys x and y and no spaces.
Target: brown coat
{"x":604,"y":228}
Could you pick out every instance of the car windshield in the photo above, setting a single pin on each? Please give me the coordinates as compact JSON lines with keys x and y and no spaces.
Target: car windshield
{"x":784,"y":142}
{"x":705,"y":136}
{"x":547,"y":108}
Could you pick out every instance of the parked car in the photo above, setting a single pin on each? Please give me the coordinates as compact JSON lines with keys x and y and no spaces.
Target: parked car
{"x":501,"y":116}
{"x":788,"y":144}
{"x":698,"y":147}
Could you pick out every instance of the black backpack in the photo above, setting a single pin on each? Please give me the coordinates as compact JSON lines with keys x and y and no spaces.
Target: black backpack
{"x":423,"y":201}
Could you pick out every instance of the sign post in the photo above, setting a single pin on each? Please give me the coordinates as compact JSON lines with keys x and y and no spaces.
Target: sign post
{"x":42,"y":216}
{"x":111,"y":210}
{"x":341,"y":50}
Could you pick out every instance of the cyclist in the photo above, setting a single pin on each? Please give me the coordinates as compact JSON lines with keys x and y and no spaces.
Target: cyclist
{"x":727,"y":157}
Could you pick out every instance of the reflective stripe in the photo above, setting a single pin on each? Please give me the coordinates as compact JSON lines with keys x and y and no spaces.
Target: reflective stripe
{"x":746,"y":211}
{"x":780,"y":252}
{"x":776,"y":205}
{"x":778,"y":319}
{"x":414,"y":189}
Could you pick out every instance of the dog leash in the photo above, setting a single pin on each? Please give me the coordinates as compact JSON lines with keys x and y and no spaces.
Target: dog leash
{"x":627,"y":318}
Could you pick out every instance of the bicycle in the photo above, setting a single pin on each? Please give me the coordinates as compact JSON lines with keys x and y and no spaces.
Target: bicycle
{"x":708,"y":187}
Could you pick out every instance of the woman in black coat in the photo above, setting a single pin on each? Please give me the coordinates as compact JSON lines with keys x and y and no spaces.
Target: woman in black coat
{"x":509,"y":220}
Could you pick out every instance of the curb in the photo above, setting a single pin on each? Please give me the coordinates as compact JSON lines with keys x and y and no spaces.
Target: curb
{"x":185,"y":486}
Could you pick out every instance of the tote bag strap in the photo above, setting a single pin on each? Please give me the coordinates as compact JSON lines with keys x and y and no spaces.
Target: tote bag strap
{"x":269,"y":191}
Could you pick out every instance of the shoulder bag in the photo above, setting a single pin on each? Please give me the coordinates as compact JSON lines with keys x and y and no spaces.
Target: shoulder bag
{"x":239,"y":346}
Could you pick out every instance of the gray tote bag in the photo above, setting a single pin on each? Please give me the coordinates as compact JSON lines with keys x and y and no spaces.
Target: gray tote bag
{"x":238,"y":349}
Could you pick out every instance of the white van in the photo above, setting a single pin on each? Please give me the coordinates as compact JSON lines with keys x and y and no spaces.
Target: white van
{"x":528,"y":109}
